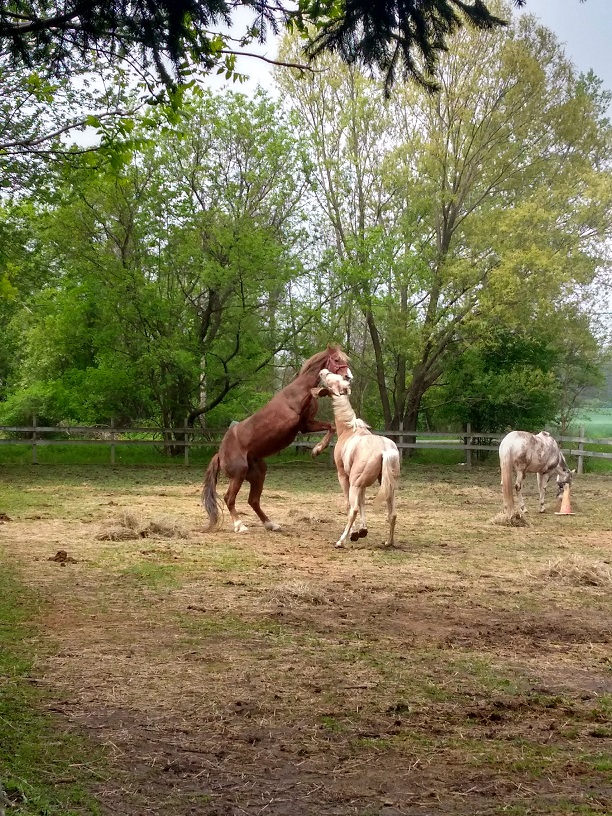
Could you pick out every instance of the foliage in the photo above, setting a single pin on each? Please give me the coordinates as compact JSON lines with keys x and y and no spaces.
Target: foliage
{"x":447,"y":216}
{"x":172,"y":35}
{"x":505,"y":381}
{"x":152,"y":313}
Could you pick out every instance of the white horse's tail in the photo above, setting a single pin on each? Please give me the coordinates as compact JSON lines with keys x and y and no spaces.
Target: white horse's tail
{"x":389,"y":477}
{"x":506,"y":481}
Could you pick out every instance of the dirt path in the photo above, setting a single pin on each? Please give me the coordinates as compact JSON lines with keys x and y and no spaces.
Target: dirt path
{"x":468,"y":671}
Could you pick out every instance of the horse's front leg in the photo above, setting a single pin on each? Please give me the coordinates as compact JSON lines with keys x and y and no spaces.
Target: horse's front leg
{"x":324,"y":443}
{"x":542,"y":482}
{"x":314,"y":425}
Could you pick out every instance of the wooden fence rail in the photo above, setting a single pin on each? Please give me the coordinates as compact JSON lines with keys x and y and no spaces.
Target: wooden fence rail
{"x":186,"y":437}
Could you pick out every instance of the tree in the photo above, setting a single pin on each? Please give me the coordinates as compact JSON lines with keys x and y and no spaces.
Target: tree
{"x":164,"y":313}
{"x":38,"y":112}
{"x":487,"y":203}
{"x":172,"y":35}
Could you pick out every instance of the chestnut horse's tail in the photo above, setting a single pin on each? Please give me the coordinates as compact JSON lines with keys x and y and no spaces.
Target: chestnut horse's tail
{"x":505,"y":463}
{"x":389,"y":476}
{"x":210,"y":500}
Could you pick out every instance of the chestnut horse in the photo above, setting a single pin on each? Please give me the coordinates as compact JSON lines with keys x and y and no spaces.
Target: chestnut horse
{"x":246,"y":444}
{"x":361,"y":459}
{"x":523,"y":452}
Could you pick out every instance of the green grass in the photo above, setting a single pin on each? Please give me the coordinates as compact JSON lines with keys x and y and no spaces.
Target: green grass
{"x":100,"y":454}
{"x":154,"y":576}
{"x":597,"y":426}
{"x":43,"y":770}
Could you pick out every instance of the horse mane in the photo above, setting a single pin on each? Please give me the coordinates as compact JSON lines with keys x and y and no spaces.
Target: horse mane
{"x":345,"y":413}
{"x":315,"y":363}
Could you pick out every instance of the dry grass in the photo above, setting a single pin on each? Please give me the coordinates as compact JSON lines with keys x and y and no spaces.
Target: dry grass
{"x":462,"y":672}
{"x":128,"y":526}
{"x":579,"y":570}
{"x":515,"y":520}
{"x":296,"y":592}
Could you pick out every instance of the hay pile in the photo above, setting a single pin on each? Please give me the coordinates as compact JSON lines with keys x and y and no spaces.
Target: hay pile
{"x":576,"y":570}
{"x":128,"y":526}
{"x":294,"y":593}
{"x":516,"y":520}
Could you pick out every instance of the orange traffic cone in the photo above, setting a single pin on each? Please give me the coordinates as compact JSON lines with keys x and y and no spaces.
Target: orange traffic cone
{"x":566,"y":507}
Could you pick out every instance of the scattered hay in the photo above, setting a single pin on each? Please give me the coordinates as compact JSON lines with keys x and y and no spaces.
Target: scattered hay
{"x":576,"y":570}
{"x":311,"y":518}
{"x":166,"y":527}
{"x":129,"y":526}
{"x":116,"y":533}
{"x":516,"y":520}
{"x":295,"y":592}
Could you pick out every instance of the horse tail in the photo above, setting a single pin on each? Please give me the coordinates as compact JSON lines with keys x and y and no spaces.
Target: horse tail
{"x":505,"y":463}
{"x":210,"y":500}
{"x":389,"y":476}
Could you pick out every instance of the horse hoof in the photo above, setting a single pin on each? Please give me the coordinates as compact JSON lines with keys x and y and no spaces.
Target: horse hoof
{"x":354,"y":536}
{"x":272,"y":525}
{"x":339,"y":545}
{"x":241,"y":528}
{"x":363,"y":532}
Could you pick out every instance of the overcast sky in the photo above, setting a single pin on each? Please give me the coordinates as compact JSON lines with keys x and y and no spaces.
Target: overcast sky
{"x":585,"y":29}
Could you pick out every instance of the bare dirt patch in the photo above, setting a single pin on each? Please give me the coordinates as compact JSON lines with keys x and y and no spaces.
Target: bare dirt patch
{"x":271,"y":673}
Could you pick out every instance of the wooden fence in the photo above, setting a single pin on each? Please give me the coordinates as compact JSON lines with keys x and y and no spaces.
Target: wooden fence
{"x":188,"y":438}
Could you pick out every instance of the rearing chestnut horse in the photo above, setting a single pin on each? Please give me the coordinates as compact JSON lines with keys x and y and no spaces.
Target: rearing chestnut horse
{"x":246,"y":444}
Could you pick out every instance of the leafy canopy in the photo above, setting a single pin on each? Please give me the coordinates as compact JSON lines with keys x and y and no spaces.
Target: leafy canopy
{"x":172,"y":35}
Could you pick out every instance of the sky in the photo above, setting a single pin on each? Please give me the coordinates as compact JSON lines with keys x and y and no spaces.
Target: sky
{"x":585,"y":29}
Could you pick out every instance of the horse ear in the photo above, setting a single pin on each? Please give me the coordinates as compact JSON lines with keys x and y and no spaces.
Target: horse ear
{"x":320,"y":392}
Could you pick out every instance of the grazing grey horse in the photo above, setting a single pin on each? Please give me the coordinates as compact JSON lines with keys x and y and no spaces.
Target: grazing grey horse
{"x":521,"y":452}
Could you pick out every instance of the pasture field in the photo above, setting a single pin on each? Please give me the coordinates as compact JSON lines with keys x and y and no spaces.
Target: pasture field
{"x":598,"y":424}
{"x":467,"y":671}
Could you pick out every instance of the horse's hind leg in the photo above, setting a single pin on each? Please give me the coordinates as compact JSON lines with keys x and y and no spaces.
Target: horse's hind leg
{"x":520,"y":477}
{"x":392,"y":518}
{"x":363,"y":529}
{"x":255,"y":477}
{"x":356,"y":497}
{"x":230,"y":499}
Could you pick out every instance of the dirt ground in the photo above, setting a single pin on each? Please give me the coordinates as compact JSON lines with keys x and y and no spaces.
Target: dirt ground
{"x":466,"y":671}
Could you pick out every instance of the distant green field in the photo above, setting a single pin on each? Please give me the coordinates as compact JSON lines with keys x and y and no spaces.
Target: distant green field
{"x":597,"y":425}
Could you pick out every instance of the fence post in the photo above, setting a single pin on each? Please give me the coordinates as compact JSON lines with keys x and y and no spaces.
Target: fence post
{"x":468,"y":441}
{"x":581,"y":449}
{"x":34,"y":437}
{"x":112,"y":424}
{"x":186,"y":441}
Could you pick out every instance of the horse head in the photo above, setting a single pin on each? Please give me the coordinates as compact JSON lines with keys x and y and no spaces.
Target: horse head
{"x":563,"y":479}
{"x":338,"y":363}
{"x":336,"y":385}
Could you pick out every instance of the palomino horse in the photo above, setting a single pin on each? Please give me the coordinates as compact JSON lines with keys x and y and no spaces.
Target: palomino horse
{"x":523,"y":452}
{"x":361,"y":458}
{"x":246,"y":444}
